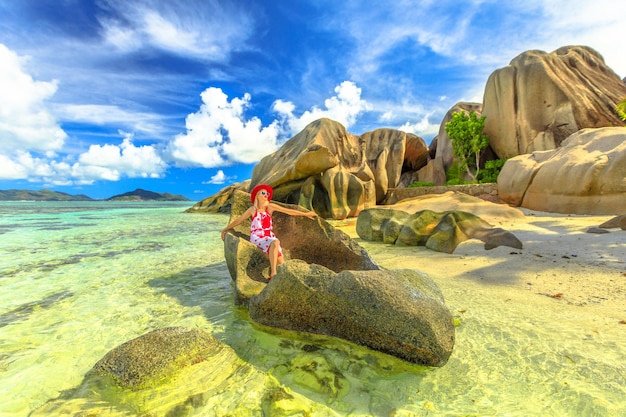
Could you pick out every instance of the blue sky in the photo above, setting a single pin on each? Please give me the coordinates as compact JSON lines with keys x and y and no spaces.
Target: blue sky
{"x":100,"y":97}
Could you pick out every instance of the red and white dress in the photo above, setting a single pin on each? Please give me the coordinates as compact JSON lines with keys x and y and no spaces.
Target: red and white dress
{"x":261,"y":231}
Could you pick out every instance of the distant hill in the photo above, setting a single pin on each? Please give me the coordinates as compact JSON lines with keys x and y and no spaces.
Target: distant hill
{"x":144,"y":195}
{"x":42,"y":195}
{"x":47,"y":195}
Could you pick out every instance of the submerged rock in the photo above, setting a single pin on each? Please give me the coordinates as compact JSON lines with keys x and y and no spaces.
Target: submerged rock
{"x":178,"y":371}
{"x":156,"y":356}
{"x":400,"y":312}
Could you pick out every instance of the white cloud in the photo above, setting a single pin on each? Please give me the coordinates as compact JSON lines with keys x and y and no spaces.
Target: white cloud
{"x":219,"y":133}
{"x":25,"y":121}
{"x":580,"y":22}
{"x":100,"y":162}
{"x":11,"y":170}
{"x":344,"y":107}
{"x":206,"y":30}
{"x":423,"y":128}
{"x":219,"y":178}
{"x":110,"y":115}
{"x":111,"y":162}
{"x":31,"y":138}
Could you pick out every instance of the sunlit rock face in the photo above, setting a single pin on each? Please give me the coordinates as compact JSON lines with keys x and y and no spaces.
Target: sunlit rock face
{"x":541,"y":98}
{"x":586,"y":175}
{"x":435,"y":170}
{"x":439,"y":222}
{"x":337,"y":174}
{"x":220,"y":202}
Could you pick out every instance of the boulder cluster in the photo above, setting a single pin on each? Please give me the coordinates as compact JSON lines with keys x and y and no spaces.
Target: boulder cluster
{"x":329,"y":285}
{"x":531,"y":106}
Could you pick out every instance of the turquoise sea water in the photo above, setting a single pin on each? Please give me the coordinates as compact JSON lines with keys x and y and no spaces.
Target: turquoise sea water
{"x":78,"y":279}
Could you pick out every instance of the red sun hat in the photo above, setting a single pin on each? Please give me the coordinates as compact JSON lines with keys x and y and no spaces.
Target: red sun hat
{"x":260,"y":187}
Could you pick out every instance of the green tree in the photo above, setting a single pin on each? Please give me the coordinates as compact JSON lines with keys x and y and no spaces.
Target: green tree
{"x":468,"y":140}
{"x":621,"y":109}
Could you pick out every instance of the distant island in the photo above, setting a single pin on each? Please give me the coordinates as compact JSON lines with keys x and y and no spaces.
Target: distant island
{"x":48,"y":195}
{"x":144,"y":195}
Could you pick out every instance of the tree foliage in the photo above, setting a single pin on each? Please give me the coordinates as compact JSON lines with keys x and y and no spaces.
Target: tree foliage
{"x":621,"y":109}
{"x":468,"y":140}
{"x":492,"y":170}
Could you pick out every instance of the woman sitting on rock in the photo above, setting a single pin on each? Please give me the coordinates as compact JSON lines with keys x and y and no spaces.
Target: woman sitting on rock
{"x":261,"y":233}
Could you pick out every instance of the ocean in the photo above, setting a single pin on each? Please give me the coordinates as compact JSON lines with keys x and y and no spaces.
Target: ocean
{"x":78,"y":279}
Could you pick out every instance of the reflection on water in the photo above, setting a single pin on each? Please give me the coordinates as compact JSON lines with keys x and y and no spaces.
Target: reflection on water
{"x":102,"y":274}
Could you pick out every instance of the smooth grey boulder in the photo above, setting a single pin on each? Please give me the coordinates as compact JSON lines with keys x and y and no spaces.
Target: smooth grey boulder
{"x":400,"y":312}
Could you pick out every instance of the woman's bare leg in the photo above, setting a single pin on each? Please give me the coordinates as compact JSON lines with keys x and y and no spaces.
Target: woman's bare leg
{"x":275,"y":260}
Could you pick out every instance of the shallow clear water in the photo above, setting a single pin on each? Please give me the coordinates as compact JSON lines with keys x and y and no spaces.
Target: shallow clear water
{"x":78,"y":279}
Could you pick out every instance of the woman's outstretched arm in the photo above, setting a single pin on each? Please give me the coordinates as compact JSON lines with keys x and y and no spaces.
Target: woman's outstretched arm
{"x":248,"y":213}
{"x":275,"y":207}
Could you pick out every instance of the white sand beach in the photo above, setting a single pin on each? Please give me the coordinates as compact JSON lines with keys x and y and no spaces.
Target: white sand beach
{"x":560,"y":261}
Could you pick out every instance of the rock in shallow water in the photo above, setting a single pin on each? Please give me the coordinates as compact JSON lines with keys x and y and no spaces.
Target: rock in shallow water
{"x":399,"y":312}
{"x":156,"y":355}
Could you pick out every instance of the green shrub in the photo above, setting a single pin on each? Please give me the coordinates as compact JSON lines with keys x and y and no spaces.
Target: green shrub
{"x":455,"y":181}
{"x":454,"y":174}
{"x":491,"y":171}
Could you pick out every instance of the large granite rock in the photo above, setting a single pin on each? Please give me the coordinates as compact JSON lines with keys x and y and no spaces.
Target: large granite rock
{"x":326,"y":278}
{"x":445,"y":151}
{"x":220,"y":202}
{"x":439,"y":221}
{"x":311,"y":240}
{"x":400,"y":312}
{"x":586,"y":175}
{"x":541,"y":98}
{"x":337,"y":174}
{"x":438,"y":231}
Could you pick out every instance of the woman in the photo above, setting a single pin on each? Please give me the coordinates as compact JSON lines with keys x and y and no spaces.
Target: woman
{"x":261,"y":227}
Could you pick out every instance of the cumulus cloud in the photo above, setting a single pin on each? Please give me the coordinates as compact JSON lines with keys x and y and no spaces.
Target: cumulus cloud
{"x":111,"y":162}
{"x":25,"y":121}
{"x":32,"y":139}
{"x":219,"y":133}
{"x":219,"y":178}
{"x":343,"y":107}
{"x":422,"y":128}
